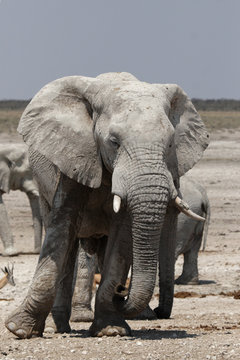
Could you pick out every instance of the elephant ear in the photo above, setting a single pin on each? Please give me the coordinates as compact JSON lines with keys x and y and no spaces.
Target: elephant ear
{"x":58,"y":124}
{"x":191,"y":137}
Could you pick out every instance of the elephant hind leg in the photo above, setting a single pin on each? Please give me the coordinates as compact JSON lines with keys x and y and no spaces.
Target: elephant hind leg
{"x":5,"y":231}
{"x":189,"y":274}
{"x":84,"y":275}
{"x":84,"y":272}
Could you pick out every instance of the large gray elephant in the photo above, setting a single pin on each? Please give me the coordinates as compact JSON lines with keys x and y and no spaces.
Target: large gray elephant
{"x":15,"y":174}
{"x":191,"y":233}
{"x":98,"y":144}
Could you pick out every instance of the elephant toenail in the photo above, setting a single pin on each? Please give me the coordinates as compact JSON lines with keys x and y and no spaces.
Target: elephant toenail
{"x":21,"y":333}
{"x":112,"y":332}
{"x":49,"y":329}
{"x":11,"y":326}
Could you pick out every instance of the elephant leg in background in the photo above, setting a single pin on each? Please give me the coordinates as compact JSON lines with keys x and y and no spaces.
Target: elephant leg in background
{"x":29,"y":318}
{"x":167,"y":264}
{"x":84,"y":272}
{"x":37,"y":221}
{"x":189,"y":274}
{"x":117,"y":261}
{"x":5,"y":231}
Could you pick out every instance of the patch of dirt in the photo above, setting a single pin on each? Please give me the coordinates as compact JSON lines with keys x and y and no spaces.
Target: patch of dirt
{"x":205,"y":321}
{"x":185,"y":294}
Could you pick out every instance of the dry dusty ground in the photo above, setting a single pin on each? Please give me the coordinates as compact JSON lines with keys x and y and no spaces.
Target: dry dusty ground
{"x":204,"y":326}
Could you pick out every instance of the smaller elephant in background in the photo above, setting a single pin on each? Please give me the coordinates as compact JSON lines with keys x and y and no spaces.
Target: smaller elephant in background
{"x":190,"y":235}
{"x":15,"y":174}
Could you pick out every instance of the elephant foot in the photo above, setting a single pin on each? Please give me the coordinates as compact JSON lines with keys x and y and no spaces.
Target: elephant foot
{"x":24,"y":325}
{"x":60,"y":318}
{"x":82,"y":314}
{"x":147,"y":314}
{"x":59,"y":327}
{"x":186,"y":280}
{"x":50,"y":326}
{"x":10,"y":251}
{"x":109,"y":327}
{"x":162,"y":313}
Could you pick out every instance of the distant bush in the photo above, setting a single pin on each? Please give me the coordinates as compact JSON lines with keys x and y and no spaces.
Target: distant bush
{"x":13,"y":104}
{"x":216,"y":104}
{"x":217,"y":120}
{"x":217,"y":114}
{"x":200,"y":104}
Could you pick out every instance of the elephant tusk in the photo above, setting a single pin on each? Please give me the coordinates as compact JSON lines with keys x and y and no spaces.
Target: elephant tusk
{"x":183,"y":207}
{"x":116,"y":203}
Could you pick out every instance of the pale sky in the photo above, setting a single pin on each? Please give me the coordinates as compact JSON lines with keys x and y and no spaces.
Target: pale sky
{"x":194,"y":43}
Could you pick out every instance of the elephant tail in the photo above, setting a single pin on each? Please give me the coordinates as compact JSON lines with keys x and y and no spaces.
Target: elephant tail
{"x":207,"y":214}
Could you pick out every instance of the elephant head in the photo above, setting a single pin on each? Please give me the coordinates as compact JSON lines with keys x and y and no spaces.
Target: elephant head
{"x":146,"y":135}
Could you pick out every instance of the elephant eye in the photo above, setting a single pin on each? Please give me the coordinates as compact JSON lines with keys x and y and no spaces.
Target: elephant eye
{"x":114,"y":142}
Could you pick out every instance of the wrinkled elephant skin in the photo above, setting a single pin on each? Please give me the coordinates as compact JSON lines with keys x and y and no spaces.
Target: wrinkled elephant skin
{"x":190,"y":235}
{"x":91,"y":140}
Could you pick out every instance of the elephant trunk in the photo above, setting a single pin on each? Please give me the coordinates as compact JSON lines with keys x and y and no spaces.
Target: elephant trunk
{"x":147,"y":202}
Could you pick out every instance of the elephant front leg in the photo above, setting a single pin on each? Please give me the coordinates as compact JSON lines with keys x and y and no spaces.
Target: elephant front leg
{"x":58,"y":319}
{"x":107,"y":321}
{"x":166,"y":264}
{"x":29,"y":319}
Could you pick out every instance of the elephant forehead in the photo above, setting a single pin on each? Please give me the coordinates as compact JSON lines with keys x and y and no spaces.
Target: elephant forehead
{"x":141,"y":113}
{"x":134,"y":96}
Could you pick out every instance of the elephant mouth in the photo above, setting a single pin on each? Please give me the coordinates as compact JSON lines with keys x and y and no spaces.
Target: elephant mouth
{"x":179,"y":203}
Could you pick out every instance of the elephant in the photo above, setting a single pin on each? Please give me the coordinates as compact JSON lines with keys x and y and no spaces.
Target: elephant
{"x":107,"y":153}
{"x":15,"y":174}
{"x":190,"y":235}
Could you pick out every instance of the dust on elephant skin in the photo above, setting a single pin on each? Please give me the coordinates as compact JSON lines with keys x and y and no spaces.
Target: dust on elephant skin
{"x":96,"y":144}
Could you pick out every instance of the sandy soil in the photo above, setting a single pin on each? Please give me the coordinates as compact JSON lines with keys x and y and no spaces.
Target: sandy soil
{"x":203,"y":325}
